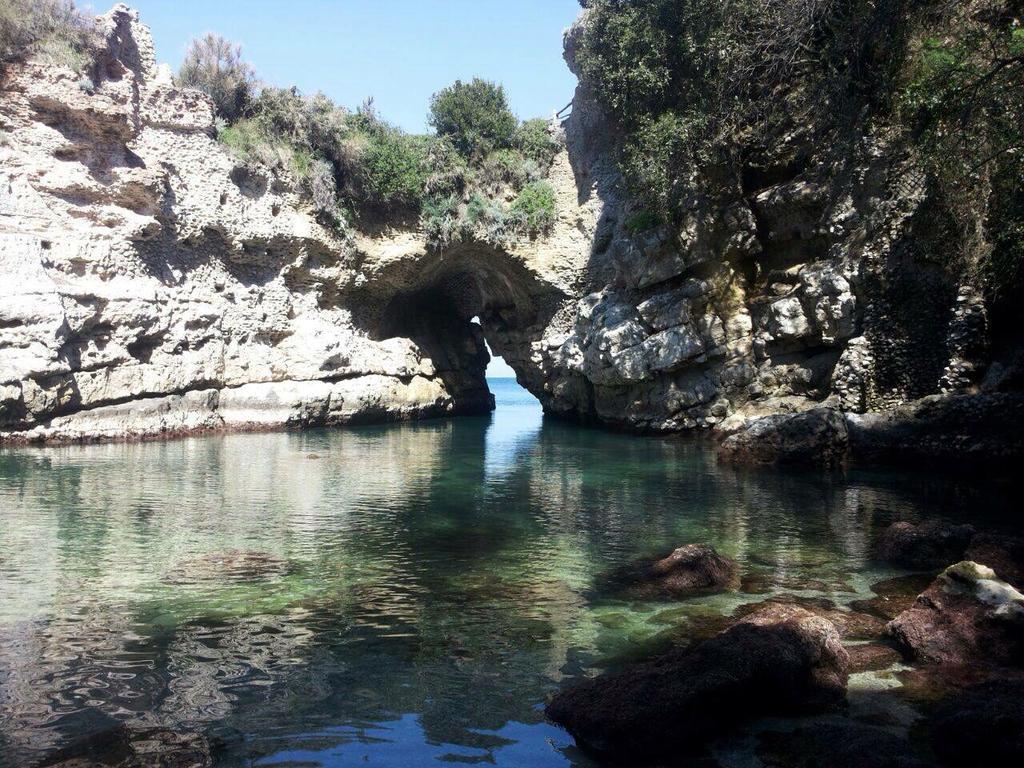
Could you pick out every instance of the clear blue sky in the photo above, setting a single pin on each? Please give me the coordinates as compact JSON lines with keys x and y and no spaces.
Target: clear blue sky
{"x":398,"y":51}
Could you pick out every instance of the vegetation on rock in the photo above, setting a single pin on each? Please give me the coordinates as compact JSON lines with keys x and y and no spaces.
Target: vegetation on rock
{"x":474,"y":115}
{"x":52,"y":29}
{"x":215,"y":65}
{"x":701,"y":91}
{"x":356,"y":165}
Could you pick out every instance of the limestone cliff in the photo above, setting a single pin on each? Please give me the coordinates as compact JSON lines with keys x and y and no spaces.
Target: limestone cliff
{"x":149,"y":284}
{"x":152,"y":285}
{"x":817,"y":277}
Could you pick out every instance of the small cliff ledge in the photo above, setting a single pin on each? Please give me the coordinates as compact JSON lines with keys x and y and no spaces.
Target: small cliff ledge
{"x":152,"y":284}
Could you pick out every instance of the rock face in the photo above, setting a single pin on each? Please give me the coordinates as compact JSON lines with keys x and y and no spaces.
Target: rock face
{"x":817,"y":436}
{"x":152,"y":286}
{"x":967,"y":616}
{"x":689,"y":570}
{"x":780,"y":660}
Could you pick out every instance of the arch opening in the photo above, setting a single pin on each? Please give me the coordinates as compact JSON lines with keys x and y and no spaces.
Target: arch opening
{"x":462,"y":304}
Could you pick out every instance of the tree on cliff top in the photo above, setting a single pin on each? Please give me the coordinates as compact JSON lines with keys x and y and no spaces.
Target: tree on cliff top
{"x":474,"y":115}
{"x":215,"y":66}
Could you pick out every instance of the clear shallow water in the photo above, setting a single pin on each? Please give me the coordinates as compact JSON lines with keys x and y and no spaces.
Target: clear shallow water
{"x":412,"y":593}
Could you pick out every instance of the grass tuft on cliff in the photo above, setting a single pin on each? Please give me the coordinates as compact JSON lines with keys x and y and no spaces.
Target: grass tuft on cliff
{"x":52,"y":30}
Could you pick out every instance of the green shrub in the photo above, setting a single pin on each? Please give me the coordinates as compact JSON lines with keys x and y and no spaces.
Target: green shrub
{"x":52,"y":29}
{"x":440,"y":220}
{"x":533,"y":138}
{"x":504,"y":168}
{"x":215,"y":66}
{"x":625,"y":53}
{"x":533,"y":212}
{"x":730,"y":76}
{"x":359,"y":162}
{"x":963,"y":102}
{"x":642,"y":221}
{"x":660,"y":151}
{"x":251,"y":142}
{"x":389,"y":169}
{"x":448,"y":173}
{"x":474,"y":115}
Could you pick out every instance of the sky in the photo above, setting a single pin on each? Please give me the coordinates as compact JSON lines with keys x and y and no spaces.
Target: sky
{"x":398,"y":51}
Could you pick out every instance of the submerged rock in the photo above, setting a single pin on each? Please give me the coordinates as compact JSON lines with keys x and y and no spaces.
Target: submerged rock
{"x":850,"y":624}
{"x":779,"y":660}
{"x":689,"y":570}
{"x":126,"y":747}
{"x":872,"y":657}
{"x":232,"y":566}
{"x":815,"y":437}
{"x":983,"y":725}
{"x":932,"y":544}
{"x":893,"y":596}
{"x":966,"y":616}
{"x":837,"y":743}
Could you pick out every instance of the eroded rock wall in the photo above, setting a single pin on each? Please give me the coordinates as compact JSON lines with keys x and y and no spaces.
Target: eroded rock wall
{"x":817,"y":278}
{"x":150,"y":284}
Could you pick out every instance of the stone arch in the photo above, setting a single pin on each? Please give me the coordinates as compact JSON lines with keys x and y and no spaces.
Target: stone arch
{"x":433,"y":298}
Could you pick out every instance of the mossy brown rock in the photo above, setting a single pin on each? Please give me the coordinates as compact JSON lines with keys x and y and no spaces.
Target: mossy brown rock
{"x":689,"y":570}
{"x":779,"y":660}
{"x":850,"y":624}
{"x":966,"y":616}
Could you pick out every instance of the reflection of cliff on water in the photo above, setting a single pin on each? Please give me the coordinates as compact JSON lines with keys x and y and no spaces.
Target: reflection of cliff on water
{"x":335,"y":583}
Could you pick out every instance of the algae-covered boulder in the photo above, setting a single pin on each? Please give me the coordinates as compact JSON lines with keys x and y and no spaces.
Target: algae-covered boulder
{"x":966,"y":616}
{"x":780,"y":660}
{"x":688,"y":570}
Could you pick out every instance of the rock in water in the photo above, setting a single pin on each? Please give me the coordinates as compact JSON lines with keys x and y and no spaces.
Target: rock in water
{"x":689,"y":570}
{"x":966,"y":616}
{"x":232,"y":566}
{"x":781,"y":660}
{"x":837,"y":743}
{"x":929,"y":546}
{"x":813,"y":437}
{"x":983,"y":725}
{"x":893,"y":596}
{"x":851,"y":625}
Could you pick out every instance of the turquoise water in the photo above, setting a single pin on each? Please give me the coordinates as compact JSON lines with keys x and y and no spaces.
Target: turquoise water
{"x":395,"y":596}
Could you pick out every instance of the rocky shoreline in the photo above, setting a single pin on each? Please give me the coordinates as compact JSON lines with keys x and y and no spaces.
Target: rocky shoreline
{"x":954,"y":653}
